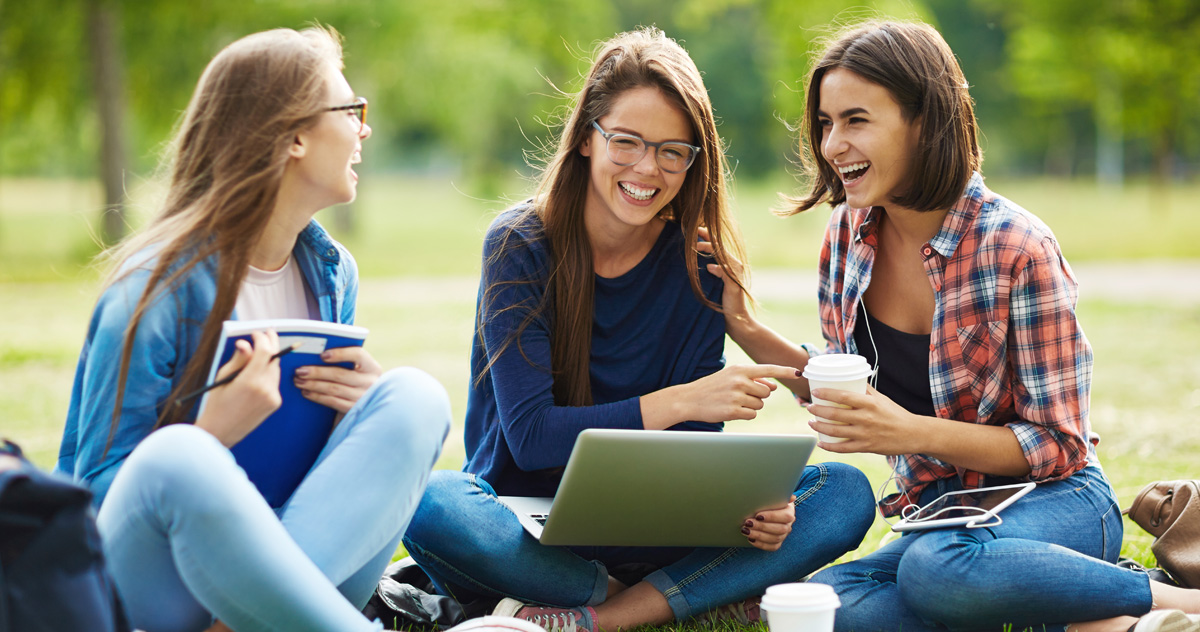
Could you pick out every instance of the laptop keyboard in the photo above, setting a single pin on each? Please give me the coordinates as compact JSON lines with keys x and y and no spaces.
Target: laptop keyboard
{"x":540,"y":518}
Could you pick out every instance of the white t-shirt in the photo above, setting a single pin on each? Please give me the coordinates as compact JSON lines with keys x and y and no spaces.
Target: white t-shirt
{"x":280,"y":293}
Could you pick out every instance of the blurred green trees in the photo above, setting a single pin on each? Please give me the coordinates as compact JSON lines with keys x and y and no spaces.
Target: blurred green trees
{"x":1069,"y":86}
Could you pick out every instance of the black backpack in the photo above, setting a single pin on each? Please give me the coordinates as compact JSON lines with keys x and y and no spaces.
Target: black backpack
{"x":52,"y":574}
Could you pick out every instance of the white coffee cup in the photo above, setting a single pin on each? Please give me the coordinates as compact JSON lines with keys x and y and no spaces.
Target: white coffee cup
{"x":843,"y":371}
{"x":803,"y":607}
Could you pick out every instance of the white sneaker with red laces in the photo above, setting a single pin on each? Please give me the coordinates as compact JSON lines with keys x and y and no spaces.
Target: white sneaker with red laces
{"x":581,"y":619}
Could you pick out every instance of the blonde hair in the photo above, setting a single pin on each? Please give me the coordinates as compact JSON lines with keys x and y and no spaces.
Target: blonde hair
{"x":228,"y":160}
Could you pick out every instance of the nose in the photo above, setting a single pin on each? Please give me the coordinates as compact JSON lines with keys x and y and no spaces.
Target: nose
{"x":832,"y":142}
{"x":365,"y":132}
{"x":648,"y":165}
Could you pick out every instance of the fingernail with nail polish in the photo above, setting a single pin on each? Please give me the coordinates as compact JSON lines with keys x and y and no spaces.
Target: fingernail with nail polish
{"x":746,"y":531}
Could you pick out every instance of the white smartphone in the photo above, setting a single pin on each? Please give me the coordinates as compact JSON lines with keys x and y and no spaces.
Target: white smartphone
{"x":971,"y":508}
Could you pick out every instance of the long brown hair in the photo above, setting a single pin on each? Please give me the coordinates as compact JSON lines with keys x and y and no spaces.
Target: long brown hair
{"x":228,"y":160}
{"x":915,"y":65}
{"x":635,"y":59}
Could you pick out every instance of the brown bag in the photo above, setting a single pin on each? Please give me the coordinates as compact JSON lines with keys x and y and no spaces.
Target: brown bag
{"x":1170,"y":511}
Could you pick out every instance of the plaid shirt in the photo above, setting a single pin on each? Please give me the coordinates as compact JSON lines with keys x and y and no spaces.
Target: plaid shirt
{"x":1005,"y":349}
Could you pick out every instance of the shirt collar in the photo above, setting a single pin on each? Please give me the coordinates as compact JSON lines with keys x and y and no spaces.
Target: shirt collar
{"x":318,"y":241}
{"x":961,"y":215}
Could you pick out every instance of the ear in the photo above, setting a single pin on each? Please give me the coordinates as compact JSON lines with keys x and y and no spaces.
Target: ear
{"x":299,"y":147}
{"x":585,"y":149}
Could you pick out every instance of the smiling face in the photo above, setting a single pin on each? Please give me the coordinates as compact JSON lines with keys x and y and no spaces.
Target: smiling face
{"x":633,"y":196}
{"x":865,"y":138}
{"x":325,"y":154}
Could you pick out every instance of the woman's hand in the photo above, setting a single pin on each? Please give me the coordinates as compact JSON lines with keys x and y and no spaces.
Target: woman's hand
{"x":733,"y":298}
{"x":237,"y":408}
{"x":768,"y":528}
{"x":336,"y":387}
{"x":879,"y":425}
{"x":874,"y":423}
{"x":735,"y":392}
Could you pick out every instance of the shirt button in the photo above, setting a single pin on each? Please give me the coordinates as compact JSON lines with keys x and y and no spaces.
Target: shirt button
{"x":931,"y":346}
{"x":937,"y":288}
{"x":943,"y":412}
{"x":331,"y":252}
{"x":927,"y":251}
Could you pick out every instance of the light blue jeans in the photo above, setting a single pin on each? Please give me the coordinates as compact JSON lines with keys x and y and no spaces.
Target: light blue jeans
{"x":188,"y":538}
{"x":472,"y":545}
{"x":1048,"y":564}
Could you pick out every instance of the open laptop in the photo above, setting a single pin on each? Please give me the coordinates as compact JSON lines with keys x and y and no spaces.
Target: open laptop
{"x":664,"y":488}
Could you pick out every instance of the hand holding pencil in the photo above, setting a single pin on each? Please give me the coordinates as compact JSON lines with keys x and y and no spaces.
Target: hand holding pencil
{"x":250,"y":392}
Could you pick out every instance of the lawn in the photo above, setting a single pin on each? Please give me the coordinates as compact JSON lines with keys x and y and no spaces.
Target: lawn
{"x":417,"y":242}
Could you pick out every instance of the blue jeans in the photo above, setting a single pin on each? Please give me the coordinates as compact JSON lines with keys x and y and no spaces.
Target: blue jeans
{"x":1049,"y":562}
{"x":472,"y":545}
{"x":188,"y":538}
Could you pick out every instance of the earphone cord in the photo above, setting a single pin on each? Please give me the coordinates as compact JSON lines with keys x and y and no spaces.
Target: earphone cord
{"x":896,"y":461}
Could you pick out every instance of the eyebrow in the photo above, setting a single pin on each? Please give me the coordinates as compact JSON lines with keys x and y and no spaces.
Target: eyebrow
{"x":845,"y":113}
{"x":626,"y":130}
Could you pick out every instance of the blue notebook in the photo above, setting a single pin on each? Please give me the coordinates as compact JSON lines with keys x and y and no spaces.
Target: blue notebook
{"x":278,"y":453}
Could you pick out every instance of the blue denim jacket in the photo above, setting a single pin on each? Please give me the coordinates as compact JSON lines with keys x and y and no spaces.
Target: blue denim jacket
{"x":166,"y":339}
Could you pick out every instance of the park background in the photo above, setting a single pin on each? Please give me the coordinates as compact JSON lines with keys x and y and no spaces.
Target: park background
{"x":1088,"y":112}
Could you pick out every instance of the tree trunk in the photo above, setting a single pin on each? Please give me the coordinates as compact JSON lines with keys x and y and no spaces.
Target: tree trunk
{"x":108,"y":85}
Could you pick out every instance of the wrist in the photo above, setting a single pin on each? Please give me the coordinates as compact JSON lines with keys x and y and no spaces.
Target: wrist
{"x":741,"y":327}
{"x":663,"y":408}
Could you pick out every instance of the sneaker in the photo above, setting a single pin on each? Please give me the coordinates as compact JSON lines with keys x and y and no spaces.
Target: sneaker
{"x":1167,"y":621}
{"x":581,"y":619}
{"x":743,"y":612}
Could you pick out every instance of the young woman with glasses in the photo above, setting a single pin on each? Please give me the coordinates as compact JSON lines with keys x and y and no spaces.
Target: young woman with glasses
{"x":966,"y":306}
{"x":595,"y":311}
{"x":271,"y":136}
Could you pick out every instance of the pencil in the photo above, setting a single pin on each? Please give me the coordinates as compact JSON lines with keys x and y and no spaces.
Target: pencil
{"x":232,"y":376}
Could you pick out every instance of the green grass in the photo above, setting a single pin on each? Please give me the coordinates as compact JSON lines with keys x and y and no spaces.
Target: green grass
{"x":418,"y":245}
{"x":433,"y":226}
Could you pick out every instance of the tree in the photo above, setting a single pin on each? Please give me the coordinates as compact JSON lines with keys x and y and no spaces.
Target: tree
{"x":1133,"y":65}
{"x":107,"y":78}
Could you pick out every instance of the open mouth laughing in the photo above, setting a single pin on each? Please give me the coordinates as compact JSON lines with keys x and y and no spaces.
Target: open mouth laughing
{"x":853,"y":172}
{"x":638,"y":193}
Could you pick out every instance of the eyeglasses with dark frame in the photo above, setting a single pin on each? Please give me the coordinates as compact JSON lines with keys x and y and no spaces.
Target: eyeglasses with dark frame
{"x":626,"y":149}
{"x":360,"y":111}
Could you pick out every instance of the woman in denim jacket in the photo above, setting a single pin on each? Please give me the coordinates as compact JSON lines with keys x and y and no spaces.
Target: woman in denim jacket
{"x":270,"y":138}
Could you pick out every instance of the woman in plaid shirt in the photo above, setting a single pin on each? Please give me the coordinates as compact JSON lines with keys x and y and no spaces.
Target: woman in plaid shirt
{"x":967,"y":308}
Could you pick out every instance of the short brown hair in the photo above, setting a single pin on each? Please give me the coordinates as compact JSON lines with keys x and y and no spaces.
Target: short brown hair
{"x":917,"y":67}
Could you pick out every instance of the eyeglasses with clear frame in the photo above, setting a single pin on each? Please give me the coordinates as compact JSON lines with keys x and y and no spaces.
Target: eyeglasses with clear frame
{"x":626,"y":150}
{"x":359,"y":107}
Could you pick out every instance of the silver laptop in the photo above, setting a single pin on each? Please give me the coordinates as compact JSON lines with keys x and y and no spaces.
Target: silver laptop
{"x":665,"y":488}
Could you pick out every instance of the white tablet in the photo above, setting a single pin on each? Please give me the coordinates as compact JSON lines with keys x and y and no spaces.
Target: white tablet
{"x":971,"y":508}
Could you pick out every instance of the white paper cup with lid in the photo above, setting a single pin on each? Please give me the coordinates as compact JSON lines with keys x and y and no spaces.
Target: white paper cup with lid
{"x":843,"y":371}
{"x":802,"y":607}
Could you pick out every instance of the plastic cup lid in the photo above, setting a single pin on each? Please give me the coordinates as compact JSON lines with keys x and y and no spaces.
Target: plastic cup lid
{"x":800,"y":596}
{"x":837,"y":367}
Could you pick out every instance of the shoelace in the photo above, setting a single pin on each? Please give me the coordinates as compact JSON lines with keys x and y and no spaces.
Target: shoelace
{"x":551,"y":621}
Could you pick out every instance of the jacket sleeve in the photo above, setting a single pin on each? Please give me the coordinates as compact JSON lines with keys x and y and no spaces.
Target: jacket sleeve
{"x":152,"y":368}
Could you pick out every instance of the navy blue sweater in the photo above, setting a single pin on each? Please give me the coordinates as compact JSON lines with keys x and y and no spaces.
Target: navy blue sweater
{"x":649,"y":332}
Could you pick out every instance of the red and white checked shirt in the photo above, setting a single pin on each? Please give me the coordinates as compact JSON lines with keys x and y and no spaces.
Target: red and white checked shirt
{"x":1005,"y":349}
